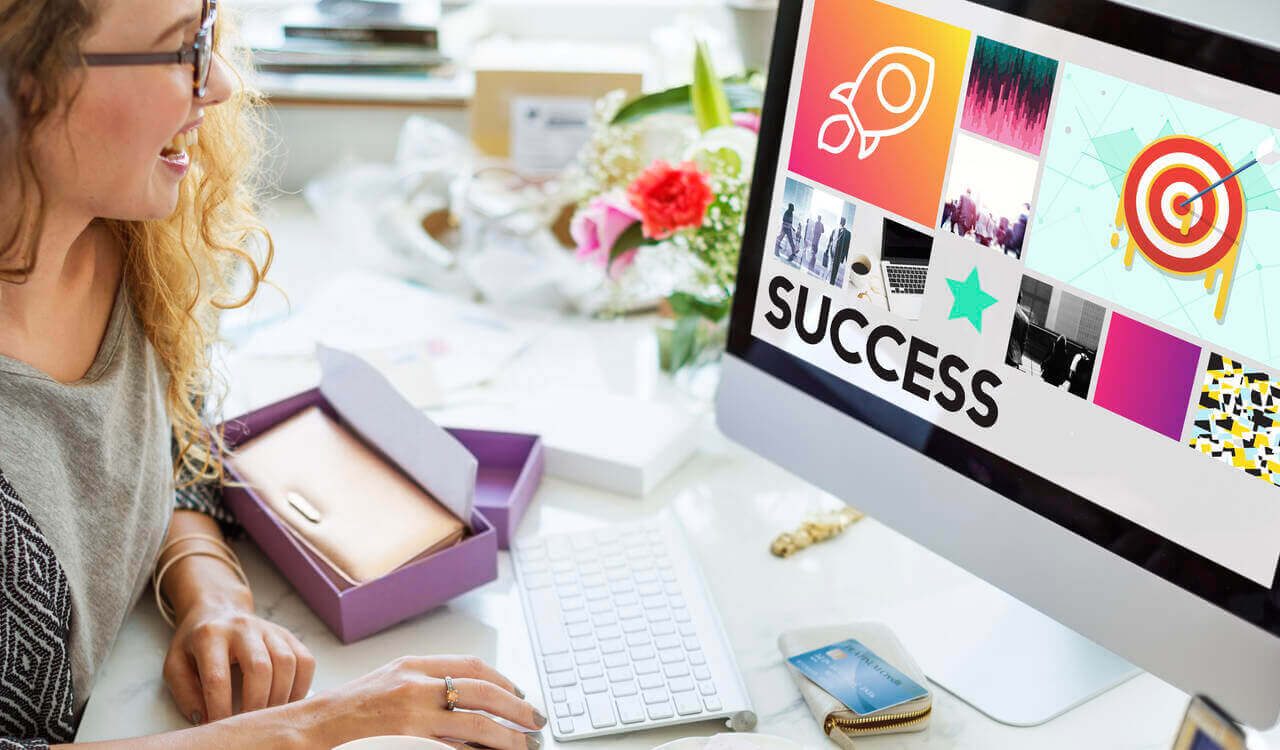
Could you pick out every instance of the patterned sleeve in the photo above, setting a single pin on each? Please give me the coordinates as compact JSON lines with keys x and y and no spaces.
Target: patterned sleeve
{"x":7,"y":743}
{"x":201,"y":496}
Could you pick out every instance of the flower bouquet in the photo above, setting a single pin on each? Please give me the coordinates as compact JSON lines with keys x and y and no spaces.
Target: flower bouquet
{"x":664,"y":178}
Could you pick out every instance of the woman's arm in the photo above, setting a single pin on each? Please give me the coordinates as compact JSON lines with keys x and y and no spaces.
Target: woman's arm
{"x":406,"y":697}
{"x":216,"y":627}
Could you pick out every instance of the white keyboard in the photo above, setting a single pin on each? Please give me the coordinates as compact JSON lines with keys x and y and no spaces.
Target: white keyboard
{"x":624,"y":634}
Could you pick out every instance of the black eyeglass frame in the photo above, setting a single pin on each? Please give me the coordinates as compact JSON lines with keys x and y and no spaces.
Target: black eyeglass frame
{"x":199,"y":53}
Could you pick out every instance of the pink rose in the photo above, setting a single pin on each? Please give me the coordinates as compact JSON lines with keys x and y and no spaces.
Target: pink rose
{"x":748,"y":120}
{"x":597,"y":228}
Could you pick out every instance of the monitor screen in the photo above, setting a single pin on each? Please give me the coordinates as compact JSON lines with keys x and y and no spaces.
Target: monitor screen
{"x":1099,"y":212}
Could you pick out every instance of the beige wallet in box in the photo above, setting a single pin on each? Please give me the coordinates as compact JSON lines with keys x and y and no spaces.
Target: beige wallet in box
{"x":354,"y":511}
{"x":841,"y":724}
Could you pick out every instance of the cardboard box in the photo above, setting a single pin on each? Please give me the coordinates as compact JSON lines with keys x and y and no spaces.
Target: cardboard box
{"x":533,"y":100}
{"x":500,"y":470}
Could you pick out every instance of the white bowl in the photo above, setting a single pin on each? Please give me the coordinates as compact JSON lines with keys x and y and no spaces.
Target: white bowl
{"x":393,"y":742}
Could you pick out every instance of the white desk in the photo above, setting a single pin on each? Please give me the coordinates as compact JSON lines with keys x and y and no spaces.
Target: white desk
{"x":731,"y":504}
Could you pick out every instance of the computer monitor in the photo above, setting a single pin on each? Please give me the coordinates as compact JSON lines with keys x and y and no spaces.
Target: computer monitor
{"x":1083,"y":413}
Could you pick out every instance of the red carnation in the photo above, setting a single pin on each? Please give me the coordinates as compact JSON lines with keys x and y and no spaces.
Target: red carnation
{"x":670,"y":198}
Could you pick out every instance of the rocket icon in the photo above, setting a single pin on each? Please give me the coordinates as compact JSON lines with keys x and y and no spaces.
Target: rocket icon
{"x":871,"y":114}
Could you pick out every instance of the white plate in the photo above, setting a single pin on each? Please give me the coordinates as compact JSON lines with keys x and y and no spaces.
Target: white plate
{"x":393,"y":742}
{"x":750,"y":741}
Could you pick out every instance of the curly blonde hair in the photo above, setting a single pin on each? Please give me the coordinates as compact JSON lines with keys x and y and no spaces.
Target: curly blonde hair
{"x":179,"y":269}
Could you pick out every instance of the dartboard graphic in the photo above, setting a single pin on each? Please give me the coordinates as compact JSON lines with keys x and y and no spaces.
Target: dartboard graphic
{"x":1201,"y":237}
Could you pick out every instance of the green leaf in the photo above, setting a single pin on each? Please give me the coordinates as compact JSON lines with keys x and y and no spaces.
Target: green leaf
{"x":631,"y":238}
{"x":676,"y":348}
{"x":686,"y":305}
{"x":710,"y":104}
{"x":742,"y":97}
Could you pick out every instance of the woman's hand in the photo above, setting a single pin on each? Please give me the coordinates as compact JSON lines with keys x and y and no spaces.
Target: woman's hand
{"x":211,"y":637}
{"x":407,"y":696}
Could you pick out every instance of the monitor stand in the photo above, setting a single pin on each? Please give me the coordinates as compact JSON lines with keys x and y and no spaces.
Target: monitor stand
{"x":1002,"y":657}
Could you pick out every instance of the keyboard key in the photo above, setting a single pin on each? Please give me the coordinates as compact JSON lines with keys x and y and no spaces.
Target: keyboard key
{"x":586,"y":657}
{"x":578,"y":629}
{"x":562,"y":710}
{"x":600,"y":709}
{"x":623,"y":688}
{"x":607,"y":632}
{"x":701,"y":673}
{"x":617,"y":660}
{"x":583,"y":644}
{"x":645,"y":666}
{"x":612,"y":646}
{"x":566,"y":576}
{"x":697,"y":658}
{"x":629,"y":599}
{"x":679,"y":669}
{"x":712,"y":702}
{"x":637,"y":639}
{"x":671,"y":655}
{"x":662,"y":628}
{"x":562,"y":679}
{"x":658,"y":615}
{"x":573,"y":602}
{"x":632,"y":610}
{"x":687,"y":628}
{"x":680,"y":615}
{"x":651,"y":681}
{"x":692,"y":644}
{"x":565,"y":726}
{"x":588,"y":671}
{"x":648,"y":589}
{"x":672,"y":588}
{"x":630,"y":711}
{"x":608,"y":618}
{"x":707,"y":688}
{"x":592,"y":593}
{"x":634,"y":625}
{"x":646,"y":576}
{"x":680,"y":685}
{"x":538,"y":581}
{"x":577,"y":615}
{"x":575,"y":708}
{"x":656,"y":601}
{"x":677,"y":602}
{"x":558,"y":695}
{"x":667,"y":574}
{"x":557,"y":663}
{"x":643,"y":652}
{"x":687,"y":703}
{"x":665,"y":641}
{"x":599,"y":606}
{"x":655,"y":696}
{"x":546,"y":618}
{"x":597,"y":685}
{"x":620,"y":674}
{"x":659,"y":710}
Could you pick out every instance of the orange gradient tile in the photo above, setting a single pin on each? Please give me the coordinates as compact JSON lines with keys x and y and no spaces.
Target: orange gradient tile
{"x":878,"y":105}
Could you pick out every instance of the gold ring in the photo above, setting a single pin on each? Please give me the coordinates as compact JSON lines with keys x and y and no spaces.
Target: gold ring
{"x":450,"y":694}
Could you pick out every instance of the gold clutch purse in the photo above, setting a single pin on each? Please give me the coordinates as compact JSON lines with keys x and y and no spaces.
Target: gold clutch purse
{"x":352,"y":509}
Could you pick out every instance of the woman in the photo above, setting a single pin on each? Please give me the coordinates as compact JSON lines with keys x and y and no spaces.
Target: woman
{"x":117,"y":240}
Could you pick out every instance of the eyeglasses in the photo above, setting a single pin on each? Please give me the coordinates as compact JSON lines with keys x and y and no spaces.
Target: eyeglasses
{"x":199,"y":53}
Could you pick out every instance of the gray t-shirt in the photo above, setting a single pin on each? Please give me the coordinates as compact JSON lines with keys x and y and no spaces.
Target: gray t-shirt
{"x":91,"y":461}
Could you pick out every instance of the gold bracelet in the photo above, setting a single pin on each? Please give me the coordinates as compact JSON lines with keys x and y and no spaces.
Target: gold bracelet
{"x":166,"y":611}
{"x":191,"y":537}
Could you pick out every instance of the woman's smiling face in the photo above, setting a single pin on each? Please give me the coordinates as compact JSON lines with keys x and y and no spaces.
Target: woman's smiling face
{"x":102,"y":157}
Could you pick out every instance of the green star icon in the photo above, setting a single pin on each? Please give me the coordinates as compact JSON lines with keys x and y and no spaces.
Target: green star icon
{"x":969,"y":300}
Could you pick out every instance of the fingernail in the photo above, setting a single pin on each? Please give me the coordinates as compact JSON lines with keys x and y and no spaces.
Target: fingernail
{"x":534,"y":740}
{"x":519,"y":692}
{"x":539,"y":719}
{"x":195,"y":718}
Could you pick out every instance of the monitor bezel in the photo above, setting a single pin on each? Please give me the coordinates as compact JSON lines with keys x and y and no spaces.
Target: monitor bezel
{"x":1123,"y":26}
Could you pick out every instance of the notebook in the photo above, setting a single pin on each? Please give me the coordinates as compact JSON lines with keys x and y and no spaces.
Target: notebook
{"x":352,"y":509}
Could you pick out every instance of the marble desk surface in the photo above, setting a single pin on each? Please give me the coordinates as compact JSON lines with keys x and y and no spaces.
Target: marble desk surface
{"x":730,"y":505}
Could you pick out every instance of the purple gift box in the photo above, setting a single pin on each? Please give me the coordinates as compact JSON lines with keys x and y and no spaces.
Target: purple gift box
{"x":504,"y":474}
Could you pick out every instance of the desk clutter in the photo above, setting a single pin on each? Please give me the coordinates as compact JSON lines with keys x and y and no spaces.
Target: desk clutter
{"x":374,"y":513}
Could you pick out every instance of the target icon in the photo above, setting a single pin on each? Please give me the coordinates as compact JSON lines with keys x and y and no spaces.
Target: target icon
{"x":1201,"y":237}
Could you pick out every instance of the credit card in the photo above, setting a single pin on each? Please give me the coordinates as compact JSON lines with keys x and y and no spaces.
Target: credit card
{"x":857,"y":677}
